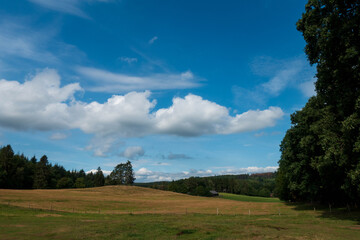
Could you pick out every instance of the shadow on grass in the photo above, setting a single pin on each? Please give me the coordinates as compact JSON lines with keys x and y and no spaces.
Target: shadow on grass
{"x":338,"y":213}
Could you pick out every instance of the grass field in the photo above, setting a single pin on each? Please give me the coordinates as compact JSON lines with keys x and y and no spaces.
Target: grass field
{"x":142,"y":213}
{"x":245,"y":198}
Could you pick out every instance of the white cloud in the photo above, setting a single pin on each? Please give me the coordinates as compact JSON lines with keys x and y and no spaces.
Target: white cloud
{"x":128,"y":60}
{"x":308,"y":88}
{"x":115,"y":82}
{"x":23,"y":47}
{"x":133,"y":152}
{"x":39,"y":103}
{"x":58,"y":136}
{"x":194,"y":116}
{"x":153,"y":39}
{"x":282,"y":74}
{"x":72,"y":7}
{"x":260,"y":134}
{"x":18,"y":40}
{"x":248,"y":170}
{"x":42,"y":104}
{"x":146,"y":175}
{"x":284,"y":77}
{"x":105,"y":172}
{"x":103,"y":145}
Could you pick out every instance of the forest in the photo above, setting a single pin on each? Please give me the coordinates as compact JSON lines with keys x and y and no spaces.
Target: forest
{"x":261,"y":184}
{"x":19,"y":172}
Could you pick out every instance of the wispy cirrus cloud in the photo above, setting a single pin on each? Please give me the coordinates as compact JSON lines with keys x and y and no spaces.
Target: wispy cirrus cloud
{"x":281,"y":74}
{"x":24,"y":47}
{"x":286,"y":75}
{"x":128,"y":60}
{"x":152,"y":40}
{"x":72,"y":7}
{"x":19,"y":40}
{"x":105,"y":81}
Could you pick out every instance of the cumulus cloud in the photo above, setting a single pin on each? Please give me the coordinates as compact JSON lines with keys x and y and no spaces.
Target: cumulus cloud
{"x":116,"y":82}
{"x":153,"y":39}
{"x":194,"y":116}
{"x":146,"y":175}
{"x":133,"y":152}
{"x":40,"y":103}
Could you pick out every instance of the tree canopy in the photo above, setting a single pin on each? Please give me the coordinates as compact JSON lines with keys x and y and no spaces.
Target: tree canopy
{"x":18,"y":172}
{"x":122,"y":174}
{"x":320,"y":158}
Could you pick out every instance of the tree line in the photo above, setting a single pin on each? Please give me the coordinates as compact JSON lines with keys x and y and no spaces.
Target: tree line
{"x":320,"y":160}
{"x":262,"y":185}
{"x":19,"y":172}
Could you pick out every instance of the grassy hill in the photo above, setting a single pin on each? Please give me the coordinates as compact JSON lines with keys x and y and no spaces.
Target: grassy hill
{"x":124,"y":212}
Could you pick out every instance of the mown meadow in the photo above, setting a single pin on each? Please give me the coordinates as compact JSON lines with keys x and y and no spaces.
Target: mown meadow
{"x":125,"y":212}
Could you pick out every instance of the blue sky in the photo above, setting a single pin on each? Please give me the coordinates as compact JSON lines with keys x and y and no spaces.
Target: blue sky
{"x":181,"y":88}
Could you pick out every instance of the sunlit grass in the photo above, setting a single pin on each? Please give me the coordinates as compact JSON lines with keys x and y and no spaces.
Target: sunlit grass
{"x":245,"y":198}
{"x":152,"y":214}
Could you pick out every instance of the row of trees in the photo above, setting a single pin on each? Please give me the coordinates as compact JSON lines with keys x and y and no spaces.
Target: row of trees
{"x":20,"y":172}
{"x":254,"y":185}
{"x":320,"y":158}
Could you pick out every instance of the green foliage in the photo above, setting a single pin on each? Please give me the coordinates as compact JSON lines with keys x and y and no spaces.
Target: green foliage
{"x":262,"y":185}
{"x":65,"y":182}
{"x":320,"y":158}
{"x":122,"y":174}
{"x":79,"y":183}
{"x":99,"y":179}
{"x":17,"y":171}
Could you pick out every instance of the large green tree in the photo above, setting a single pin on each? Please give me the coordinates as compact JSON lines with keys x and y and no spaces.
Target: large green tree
{"x":320,"y":158}
{"x":122,"y":174}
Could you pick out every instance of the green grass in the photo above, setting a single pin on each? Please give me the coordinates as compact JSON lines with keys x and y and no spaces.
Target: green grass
{"x":154,"y":214}
{"x":244,"y":198}
{"x":22,"y":223}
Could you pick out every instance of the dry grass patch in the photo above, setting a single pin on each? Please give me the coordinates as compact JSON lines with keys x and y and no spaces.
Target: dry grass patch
{"x":130,"y":199}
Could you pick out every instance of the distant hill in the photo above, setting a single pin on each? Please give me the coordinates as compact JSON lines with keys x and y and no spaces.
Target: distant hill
{"x":258,"y":184}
